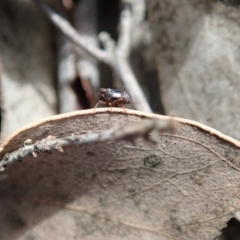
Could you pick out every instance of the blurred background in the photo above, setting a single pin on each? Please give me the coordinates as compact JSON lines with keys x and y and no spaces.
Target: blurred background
{"x":43,"y":73}
{"x":184,"y":54}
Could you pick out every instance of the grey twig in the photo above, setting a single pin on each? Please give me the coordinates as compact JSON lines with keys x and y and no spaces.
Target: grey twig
{"x":122,"y":67}
{"x":128,"y":133}
{"x":72,"y":34}
{"x":115,"y":56}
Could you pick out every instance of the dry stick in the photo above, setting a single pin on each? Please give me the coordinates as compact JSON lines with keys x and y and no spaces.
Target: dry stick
{"x":122,"y":67}
{"x":72,"y":34}
{"x":128,"y":133}
{"x":116,"y":57}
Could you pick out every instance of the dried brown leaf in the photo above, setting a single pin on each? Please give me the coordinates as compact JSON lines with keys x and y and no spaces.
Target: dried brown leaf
{"x":184,"y":187}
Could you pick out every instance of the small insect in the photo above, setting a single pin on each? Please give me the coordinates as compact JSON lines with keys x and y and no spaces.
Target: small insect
{"x":113,"y":97}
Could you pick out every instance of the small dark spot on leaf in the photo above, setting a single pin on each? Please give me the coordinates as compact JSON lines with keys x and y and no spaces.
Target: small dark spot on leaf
{"x":121,"y":172}
{"x":61,"y":197}
{"x":232,"y":156}
{"x":171,"y":60}
{"x":90,"y":154}
{"x":94,"y":175}
{"x":197,"y":178}
{"x":152,"y":161}
{"x":56,"y":182}
{"x":137,"y":202}
{"x":131,"y":190}
{"x":80,"y":175}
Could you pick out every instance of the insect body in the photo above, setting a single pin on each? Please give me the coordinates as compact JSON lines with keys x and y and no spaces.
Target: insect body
{"x":113,"y":97}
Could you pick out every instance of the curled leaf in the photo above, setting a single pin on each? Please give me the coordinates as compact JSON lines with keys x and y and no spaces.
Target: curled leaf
{"x":184,"y":186}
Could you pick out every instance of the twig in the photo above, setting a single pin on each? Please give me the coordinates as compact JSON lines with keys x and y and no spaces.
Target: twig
{"x":116,"y":57}
{"x":128,"y":133}
{"x":122,"y":67}
{"x":72,"y":34}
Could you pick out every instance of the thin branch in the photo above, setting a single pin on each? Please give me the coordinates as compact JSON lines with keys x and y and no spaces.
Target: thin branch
{"x":120,"y":56}
{"x":72,"y":34}
{"x":116,"y":57}
{"x":124,"y":71}
{"x":128,"y":133}
{"x":122,"y":67}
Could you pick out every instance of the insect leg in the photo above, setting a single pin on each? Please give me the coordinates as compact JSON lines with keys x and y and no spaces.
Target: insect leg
{"x":124,"y":109}
{"x":110,"y":107}
{"x":94,"y":110}
{"x":121,"y":104}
